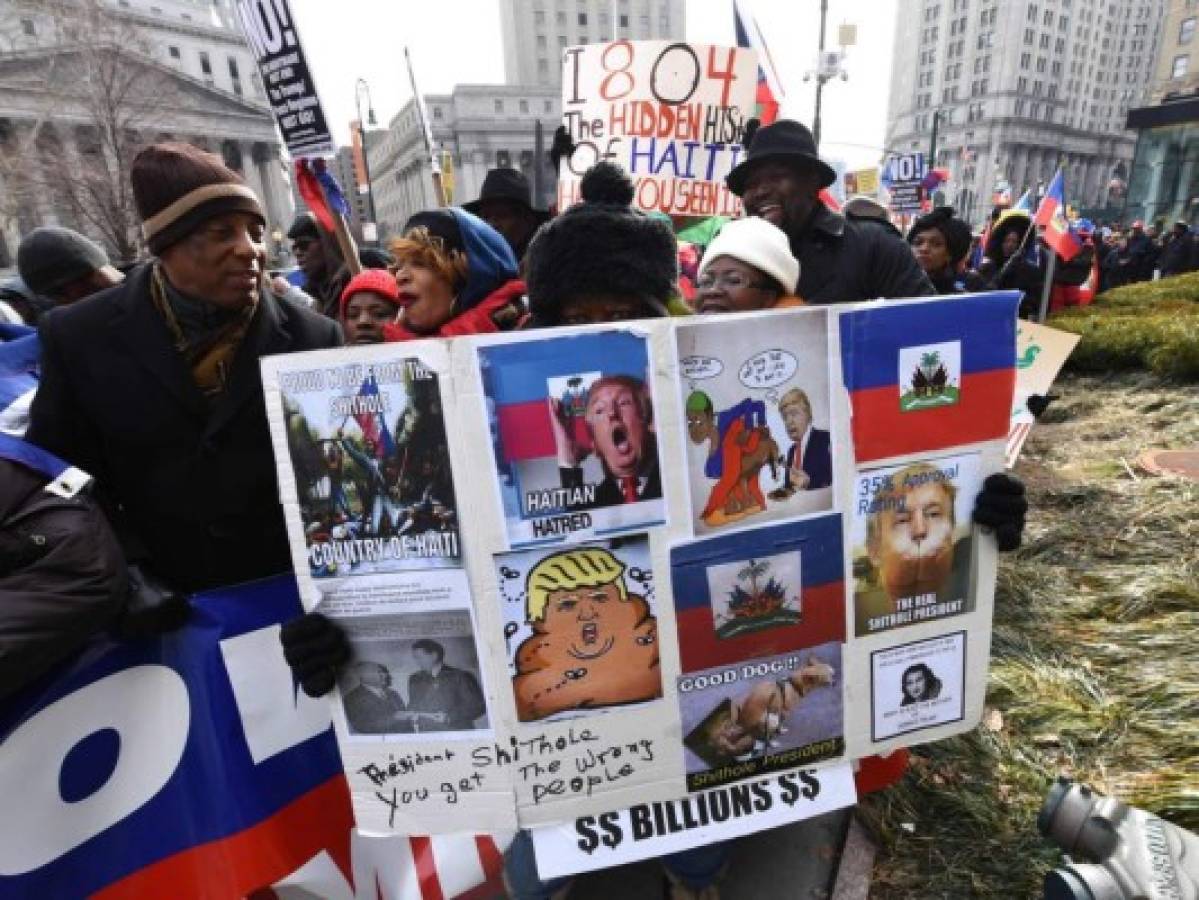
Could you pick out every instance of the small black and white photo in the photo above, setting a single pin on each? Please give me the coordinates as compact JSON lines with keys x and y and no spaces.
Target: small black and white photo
{"x":918,"y":685}
{"x":413,"y":674}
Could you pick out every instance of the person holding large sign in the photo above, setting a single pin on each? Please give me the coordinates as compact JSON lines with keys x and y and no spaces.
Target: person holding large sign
{"x":841,"y":260}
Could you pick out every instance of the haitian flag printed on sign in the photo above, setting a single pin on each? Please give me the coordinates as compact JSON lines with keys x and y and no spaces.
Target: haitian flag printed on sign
{"x":734,"y":601}
{"x":930,"y":374}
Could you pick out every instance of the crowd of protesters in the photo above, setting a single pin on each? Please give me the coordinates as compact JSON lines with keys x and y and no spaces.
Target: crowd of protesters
{"x":149,"y":382}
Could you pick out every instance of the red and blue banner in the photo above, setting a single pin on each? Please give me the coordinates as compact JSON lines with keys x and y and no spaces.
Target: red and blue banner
{"x":190,"y":766}
{"x":710,"y":637}
{"x":931,"y":374}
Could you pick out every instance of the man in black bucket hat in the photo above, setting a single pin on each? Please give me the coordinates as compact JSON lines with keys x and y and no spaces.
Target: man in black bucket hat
{"x":840,"y":259}
{"x":505,"y":203}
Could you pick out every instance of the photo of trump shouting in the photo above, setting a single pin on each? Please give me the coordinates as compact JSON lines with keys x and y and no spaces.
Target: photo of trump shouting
{"x":912,"y":543}
{"x":619,"y":420}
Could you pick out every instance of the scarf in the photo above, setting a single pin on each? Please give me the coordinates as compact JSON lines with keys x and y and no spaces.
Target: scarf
{"x":206,"y":336}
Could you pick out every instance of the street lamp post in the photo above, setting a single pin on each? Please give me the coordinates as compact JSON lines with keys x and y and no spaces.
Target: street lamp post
{"x":828,"y":64}
{"x":359,"y":86}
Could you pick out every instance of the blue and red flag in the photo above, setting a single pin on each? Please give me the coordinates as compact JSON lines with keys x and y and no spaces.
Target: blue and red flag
{"x":931,"y":374}
{"x":821,"y":592}
{"x":321,"y":192}
{"x":770,"y":90}
{"x":1051,"y":217}
{"x":373,"y":425}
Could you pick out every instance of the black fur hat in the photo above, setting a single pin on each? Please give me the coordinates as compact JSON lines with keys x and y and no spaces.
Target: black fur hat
{"x":602,"y":246}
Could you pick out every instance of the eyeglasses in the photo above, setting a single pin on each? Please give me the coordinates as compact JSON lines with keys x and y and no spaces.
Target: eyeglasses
{"x":730,"y":281}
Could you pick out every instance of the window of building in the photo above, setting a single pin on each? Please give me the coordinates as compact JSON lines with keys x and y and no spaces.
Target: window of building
{"x":1025,"y":60}
{"x":1032,"y":12}
{"x":27,"y":27}
{"x":541,"y":42}
{"x":524,"y":106}
{"x":543,"y":68}
{"x":205,"y":64}
{"x":548,"y":106}
{"x":1186,"y":31}
{"x":235,"y":76}
{"x":174,"y":52}
{"x":624,"y":21}
{"x":538,"y":17}
{"x":582,"y":18}
{"x":1029,"y":35}
{"x":499,"y":104}
{"x":1180,"y":65}
{"x":157,"y":10}
{"x":560,"y":18}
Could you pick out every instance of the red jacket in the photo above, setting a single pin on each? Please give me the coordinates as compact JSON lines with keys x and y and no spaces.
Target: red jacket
{"x":501,"y":310}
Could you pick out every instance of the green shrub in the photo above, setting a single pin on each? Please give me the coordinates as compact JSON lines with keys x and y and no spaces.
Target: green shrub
{"x":1152,"y":326}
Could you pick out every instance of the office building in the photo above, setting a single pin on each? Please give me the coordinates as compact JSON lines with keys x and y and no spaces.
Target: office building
{"x":1021,"y":87}
{"x":535,"y":32}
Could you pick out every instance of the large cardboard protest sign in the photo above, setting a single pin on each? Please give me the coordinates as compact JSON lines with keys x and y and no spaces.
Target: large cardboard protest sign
{"x":688,"y":560}
{"x":671,"y":114}
{"x":275,"y":42}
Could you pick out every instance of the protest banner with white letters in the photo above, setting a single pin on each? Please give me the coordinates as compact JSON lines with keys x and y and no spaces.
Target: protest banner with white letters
{"x":111,"y":766}
{"x":654,"y":591}
{"x":671,"y":114}
{"x":275,"y":42}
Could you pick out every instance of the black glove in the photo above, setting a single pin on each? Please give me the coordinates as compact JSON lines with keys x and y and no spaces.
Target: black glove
{"x":751,"y":128}
{"x":1038,"y":403}
{"x":153,"y":607}
{"x":562,"y":146}
{"x":315,"y":647}
{"x":1001,"y":506}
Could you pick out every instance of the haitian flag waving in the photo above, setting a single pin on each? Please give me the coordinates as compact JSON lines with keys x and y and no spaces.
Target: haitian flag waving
{"x":929,"y":374}
{"x":1051,"y":218}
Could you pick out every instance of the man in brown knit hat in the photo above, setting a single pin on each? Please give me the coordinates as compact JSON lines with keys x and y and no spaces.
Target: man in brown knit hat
{"x":153,"y":386}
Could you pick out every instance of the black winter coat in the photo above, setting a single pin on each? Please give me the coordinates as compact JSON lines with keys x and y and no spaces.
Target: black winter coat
{"x":62,"y":577}
{"x":191,"y":492}
{"x":843,"y":260}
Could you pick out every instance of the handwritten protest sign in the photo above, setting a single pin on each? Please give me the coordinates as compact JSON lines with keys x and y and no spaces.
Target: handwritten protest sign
{"x":671,"y":114}
{"x":1041,"y":352}
{"x":591,"y":637}
{"x":275,"y":42}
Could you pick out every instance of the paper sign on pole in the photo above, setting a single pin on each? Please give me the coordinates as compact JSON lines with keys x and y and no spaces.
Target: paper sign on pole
{"x":671,"y":114}
{"x":1041,"y":352}
{"x":903,"y":177}
{"x":275,"y":42}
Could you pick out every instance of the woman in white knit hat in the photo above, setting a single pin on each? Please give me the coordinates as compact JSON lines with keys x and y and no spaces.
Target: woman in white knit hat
{"x":747,"y":267}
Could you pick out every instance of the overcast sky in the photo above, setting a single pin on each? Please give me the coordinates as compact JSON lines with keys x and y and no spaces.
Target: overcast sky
{"x":458,"y":42}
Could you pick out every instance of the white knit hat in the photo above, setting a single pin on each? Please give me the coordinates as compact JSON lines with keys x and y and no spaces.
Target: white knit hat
{"x":756,"y":243}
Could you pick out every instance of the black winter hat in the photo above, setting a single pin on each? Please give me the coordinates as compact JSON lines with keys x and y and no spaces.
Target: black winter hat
{"x":49,"y":257}
{"x":957,"y":233}
{"x":304,"y":225}
{"x":601,"y":246}
{"x":440,"y":223}
{"x":785,"y":141}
